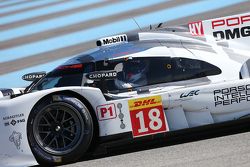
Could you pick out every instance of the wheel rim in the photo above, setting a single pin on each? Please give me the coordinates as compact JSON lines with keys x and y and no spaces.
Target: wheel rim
{"x":58,"y":128}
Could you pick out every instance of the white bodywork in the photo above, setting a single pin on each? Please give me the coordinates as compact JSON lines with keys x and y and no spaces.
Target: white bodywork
{"x":165,"y":108}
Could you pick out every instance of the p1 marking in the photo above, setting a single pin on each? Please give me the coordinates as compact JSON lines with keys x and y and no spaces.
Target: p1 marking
{"x":106,"y":112}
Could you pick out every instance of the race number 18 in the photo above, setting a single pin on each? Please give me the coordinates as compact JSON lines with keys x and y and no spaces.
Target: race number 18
{"x":148,"y":119}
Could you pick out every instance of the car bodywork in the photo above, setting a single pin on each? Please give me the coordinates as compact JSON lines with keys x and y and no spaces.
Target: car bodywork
{"x":198,"y":74}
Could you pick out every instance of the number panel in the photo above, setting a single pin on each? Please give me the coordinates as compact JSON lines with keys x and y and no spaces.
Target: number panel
{"x":147,"y":119}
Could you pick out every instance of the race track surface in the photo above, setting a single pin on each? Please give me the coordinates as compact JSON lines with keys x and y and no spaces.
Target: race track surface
{"x":227,"y":151}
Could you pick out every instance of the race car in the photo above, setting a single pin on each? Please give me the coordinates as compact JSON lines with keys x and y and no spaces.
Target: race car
{"x":141,"y":84}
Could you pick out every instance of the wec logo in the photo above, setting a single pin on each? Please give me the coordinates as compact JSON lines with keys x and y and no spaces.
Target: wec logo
{"x":189,"y":94}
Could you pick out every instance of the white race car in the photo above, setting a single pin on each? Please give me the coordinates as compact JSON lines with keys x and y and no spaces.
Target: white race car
{"x":131,"y":86}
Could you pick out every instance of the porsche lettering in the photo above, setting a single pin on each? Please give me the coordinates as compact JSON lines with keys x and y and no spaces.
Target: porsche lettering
{"x":229,"y":22}
{"x":232,"y":95}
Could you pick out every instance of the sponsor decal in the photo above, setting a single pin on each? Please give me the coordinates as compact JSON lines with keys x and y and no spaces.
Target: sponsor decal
{"x":14,"y":122}
{"x":13,"y":116}
{"x":33,"y":76}
{"x":16,"y":139}
{"x":196,"y":28}
{"x":112,"y":40}
{"x":13,"y":119}
{"x":121,"y":116}
{"x":232,"y":95}
{"x":106,"y":112}
{"x":102,"y":75}
{"x":190,"y":94}
{"x":147,"y":116}
{"x":231,"y":27}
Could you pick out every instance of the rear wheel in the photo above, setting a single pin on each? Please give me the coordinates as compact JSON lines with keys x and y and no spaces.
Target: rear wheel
{"x":60,"y":131}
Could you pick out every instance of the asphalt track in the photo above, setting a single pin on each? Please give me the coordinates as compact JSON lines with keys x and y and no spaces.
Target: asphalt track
{"x":230,"y":150}
{"x":226,"y":151}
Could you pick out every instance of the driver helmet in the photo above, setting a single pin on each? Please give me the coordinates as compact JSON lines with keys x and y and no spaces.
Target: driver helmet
{"x":134,"y":70}
{"x":134,"y":74}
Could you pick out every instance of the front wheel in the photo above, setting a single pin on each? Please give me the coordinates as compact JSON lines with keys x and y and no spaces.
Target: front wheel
{"x":59,"y":131}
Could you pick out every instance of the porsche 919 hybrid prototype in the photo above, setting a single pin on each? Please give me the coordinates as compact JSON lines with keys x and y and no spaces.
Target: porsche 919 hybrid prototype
{"x":131,"y":86}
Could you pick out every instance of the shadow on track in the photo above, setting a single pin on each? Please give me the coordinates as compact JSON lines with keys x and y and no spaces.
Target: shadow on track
{"x":168,"y":139}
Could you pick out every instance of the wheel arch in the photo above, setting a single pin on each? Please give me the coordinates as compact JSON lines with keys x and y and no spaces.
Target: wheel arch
{"x":85,"y":102}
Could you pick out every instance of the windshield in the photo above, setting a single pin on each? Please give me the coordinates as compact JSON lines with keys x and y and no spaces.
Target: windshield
{"x":147,"y":71}
{"x":130,"y":73}
{"x":65,"y":75}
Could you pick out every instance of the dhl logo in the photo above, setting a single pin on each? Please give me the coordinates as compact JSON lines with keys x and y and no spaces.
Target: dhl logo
{"x":144,"y":102}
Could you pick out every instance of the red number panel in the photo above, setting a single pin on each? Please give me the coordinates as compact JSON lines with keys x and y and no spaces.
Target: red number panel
{"x":147,"y":116}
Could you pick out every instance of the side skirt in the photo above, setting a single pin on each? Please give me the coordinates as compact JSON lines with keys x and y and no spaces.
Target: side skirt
{"x":119,"y":141}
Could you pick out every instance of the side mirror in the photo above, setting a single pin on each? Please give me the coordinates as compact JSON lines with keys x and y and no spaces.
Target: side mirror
{"x":33,"y":76}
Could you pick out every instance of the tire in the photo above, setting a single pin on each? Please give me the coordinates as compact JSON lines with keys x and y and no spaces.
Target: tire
{"x":59,"y":131}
